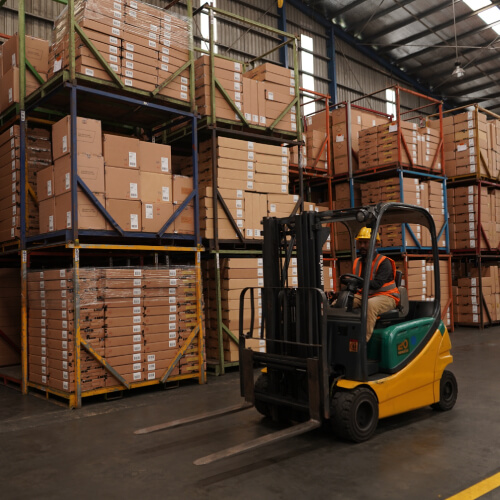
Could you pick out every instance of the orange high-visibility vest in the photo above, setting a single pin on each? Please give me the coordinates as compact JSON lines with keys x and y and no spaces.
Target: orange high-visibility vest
{"x":390,"y":289}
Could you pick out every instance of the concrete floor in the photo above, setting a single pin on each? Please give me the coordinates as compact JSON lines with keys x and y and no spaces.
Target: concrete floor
{"x":49,"y":452}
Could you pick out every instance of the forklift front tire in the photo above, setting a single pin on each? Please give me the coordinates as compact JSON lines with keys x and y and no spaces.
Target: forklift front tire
{"x":354,"y":414}
{"x":448,"y":392}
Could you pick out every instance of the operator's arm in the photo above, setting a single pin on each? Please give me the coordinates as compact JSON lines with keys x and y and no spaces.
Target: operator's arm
{"x":384,"y":275}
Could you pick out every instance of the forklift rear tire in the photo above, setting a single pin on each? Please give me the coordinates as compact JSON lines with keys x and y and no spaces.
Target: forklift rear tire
{"x":448,"y":392}
{"x":355,"y":414}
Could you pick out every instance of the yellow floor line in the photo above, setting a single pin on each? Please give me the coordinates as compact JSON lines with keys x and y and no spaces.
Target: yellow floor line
{"x":479,"y":489}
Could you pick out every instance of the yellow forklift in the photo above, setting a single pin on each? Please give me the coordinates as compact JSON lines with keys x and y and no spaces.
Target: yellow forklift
{"x":318,"y":367}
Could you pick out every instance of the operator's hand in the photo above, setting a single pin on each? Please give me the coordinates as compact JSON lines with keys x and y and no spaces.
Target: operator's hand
{"x":331,"y":296}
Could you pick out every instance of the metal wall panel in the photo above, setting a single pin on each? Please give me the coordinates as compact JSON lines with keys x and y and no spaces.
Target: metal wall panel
{"x":39,"y":17}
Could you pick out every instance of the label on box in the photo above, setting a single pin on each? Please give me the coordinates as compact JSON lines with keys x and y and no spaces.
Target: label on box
{"x":171,"y":291}
{"x":137,"y":319}
{"x":172,"y":343}
{"x":67,"y":182}
{"x":136,"y":328}
{"x":134,"y":221}
{"x":136,"y":338}
{"x":149,"y":211}
{"x":284,"y":188}
{"x":68,"y":219}
{"x":393,"y":127}
{"x":136,"y":357}
{"x":164,"y":164}
{"x":249,"y":233}
{"x":10,"y":95}
{"x":151,"y":375}
{"x":136,"y":300}
{"x":132,"y":159}
{"x":128,"y":82}
{"x":137,"y":376}
{"x":461,"y":146}
{"x":89,"y":72}
{"x":137,"y":282}
{"x":173,"y":308}
{"x":272,"y":208}
{"x":51,"y":223}
{"x":165,"y":193}
{"x":65,"y":144}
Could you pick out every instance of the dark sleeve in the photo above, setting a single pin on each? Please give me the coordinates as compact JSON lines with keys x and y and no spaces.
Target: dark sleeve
{"x":384,"y":274}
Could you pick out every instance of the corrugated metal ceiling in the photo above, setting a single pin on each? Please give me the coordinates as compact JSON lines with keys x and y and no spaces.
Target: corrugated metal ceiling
{"x":418,"y":36}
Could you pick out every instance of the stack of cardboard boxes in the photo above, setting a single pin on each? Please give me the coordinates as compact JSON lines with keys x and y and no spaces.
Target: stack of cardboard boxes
{"x":51,"y":348}
{"x":363,"y":144}
{"x":236,"y":274}
{"x":230,"y":76}
{"x":268,"y":90}
{"x":470,"y":144}
{"x":252,"y":179}
{"x":141,"y":43}
{"x":424,"y":193}
{"x":37,"y":54}
{"x":37,"y":156}
{"x":467,"y":296}
{"x":379,"y":146}
{"x":474,"y":214}
{"x":131,"y":179}
{"x":316,"y":145}
{"x":10,"y":317}
{"x":419,"y":281}
{"x":137,"y":319}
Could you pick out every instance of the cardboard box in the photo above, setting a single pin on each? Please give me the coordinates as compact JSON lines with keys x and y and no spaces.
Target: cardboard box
{"x":45,"y":183}
{"x":47,"y":215}
{"x":89,"y":217}
{"x":122,"y":183}
{"x":9,"y":90}
{"x":126,"y":213}
{"x":121,"y":151}
{"x":184,"y":222}
{"x":155,"y":215}
{"x":155,"y":187}
{"x":36,"y":50}
{"x":154,"y":157}
{"x":88,"y":134}
{"x":90,"y":169}
{"x":181,"y":187}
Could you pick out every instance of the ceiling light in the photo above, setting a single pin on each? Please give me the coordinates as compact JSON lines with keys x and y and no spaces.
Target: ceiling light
{"x":458,"y":72}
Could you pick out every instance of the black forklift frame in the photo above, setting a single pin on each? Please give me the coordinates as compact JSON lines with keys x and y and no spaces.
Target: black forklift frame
{"x":317,"y":346}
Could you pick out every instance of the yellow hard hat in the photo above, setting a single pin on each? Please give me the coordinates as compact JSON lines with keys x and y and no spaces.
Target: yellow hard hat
{"x":365,"y":233}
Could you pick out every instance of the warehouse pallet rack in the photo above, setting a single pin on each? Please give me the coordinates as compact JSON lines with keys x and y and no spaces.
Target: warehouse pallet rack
{"x":483,"y":170}
{"x":410,"y":247}
{"x":483,"y":173}
{"x":478,"y":261}
{"x":50,"y":102}
{"x":211,"y":126}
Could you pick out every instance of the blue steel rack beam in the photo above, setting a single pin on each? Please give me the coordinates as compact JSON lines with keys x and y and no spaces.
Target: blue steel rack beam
{"x":283,"y":51}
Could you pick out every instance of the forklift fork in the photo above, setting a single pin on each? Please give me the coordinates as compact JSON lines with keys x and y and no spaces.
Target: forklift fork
{"x":295,"y":430}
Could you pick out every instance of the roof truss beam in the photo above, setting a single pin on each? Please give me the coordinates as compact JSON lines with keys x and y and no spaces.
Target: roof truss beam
{"x":381,"y":13}
{"x":440,"y":27}
{"x":347,"y":8}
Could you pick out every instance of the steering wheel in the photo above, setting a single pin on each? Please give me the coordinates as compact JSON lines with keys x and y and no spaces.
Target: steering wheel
{"x":351,"y":280}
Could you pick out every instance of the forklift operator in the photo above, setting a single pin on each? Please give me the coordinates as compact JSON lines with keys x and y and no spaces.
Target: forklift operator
{"x":383,"y":293}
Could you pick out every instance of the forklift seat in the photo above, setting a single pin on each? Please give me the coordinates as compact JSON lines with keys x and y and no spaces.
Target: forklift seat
{"x":401,"y":311}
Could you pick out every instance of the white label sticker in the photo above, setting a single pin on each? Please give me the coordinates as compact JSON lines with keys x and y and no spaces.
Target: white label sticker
{"x":136,"y":328}
{"x":164,"y":164}
{"x":165,"y":193}
{"x":134,"y":221}
{"x":132,"y":159}
{"x":148,"y":211}
{"x":67,"y":181}
{"x":65,"y":144}
{"x":136,"y":338}
{"x":136,"y":357}
{"x":136,"y":300}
